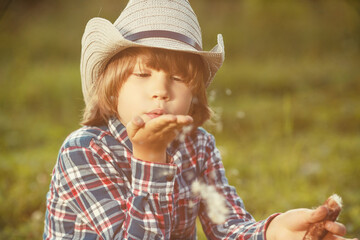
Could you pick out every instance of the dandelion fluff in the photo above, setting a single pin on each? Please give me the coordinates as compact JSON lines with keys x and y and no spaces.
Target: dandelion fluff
{"x":184,"y":132}
{"x":164,"y":173}
{"x":240,"y":114}
{"x":196,"y":187}
{"x":191,"y":204}
{"x":212,"y":175}
{"x":195,"y":100}
{"x":212,"y":96}
{"x":337,"y":199}
{"x":228,"y":91}
{"x":190,"y":175}
{"x":215,"y":202}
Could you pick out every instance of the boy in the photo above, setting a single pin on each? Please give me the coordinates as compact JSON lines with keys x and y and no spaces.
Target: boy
{"x":125,"y":174}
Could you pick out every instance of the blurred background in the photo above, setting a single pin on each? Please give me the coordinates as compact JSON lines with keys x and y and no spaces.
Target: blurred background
{"x":286,"y":101}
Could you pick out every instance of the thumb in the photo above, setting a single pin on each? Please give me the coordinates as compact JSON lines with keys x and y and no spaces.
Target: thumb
{"x":134,"y":125}
{"x":318,"y":214}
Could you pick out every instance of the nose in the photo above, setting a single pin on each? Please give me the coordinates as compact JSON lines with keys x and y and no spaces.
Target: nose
{"x":161,"y":95}
{"x":160,"y":88}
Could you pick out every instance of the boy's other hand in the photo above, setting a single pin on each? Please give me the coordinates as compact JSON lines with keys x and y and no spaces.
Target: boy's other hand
{"x":293,"y":225}
{"x":150,"y":137}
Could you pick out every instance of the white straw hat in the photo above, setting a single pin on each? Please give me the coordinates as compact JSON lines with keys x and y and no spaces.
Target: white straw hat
{"x":167,"y":24}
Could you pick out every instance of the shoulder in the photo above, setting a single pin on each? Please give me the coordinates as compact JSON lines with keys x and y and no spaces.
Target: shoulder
{"x":83,"y":136}
{"x":201,"y":136}
{"x":200,"y":140}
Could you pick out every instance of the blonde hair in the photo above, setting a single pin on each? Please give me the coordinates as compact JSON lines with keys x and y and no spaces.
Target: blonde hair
{"x":104,"y":93}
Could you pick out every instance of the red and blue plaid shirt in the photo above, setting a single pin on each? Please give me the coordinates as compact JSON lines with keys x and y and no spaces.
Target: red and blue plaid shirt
{"x":100,"y":191}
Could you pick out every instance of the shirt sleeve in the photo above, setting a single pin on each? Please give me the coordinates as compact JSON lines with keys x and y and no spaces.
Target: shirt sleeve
{"x":109,"y":203}
{"x":239,"y":223}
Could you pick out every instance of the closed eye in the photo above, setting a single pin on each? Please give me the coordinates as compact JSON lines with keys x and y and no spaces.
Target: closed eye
{"x":177,"y":78}
{"x":142,"y":75}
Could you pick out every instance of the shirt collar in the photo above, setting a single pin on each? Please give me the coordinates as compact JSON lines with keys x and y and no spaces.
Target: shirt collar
{"x":118,"y":130}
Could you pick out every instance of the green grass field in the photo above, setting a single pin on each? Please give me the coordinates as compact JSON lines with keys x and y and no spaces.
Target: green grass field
{"x":287,"y":101}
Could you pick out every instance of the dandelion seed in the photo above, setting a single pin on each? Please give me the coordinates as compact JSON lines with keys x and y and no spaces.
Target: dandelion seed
{"x":217,"y":113}
{"x":162,"y":173}
{"x":219,"y":126}
{"x":217,"y":119}
{"x":215,"y":202}
{"x":228,"y":91}
{"x":337,"y":199}
{"x":37,"y":215}
{"x":234,"y":172}
{"x":240,"y":114}
{"x":187,"y":129}
{"x":223,"y":151}
{"x":165,"y":173}
{"x":212,"y":175}
{"x":181,"y":137}
{"x":196,"y":187}
{"x":189,"y":176}
{"x":191,"y":204}
{"x":212,"y":96}
{"x":310,"y":168}
{"x":195,"y":100}
{"x":231,"y":227}
{"x":184,"y":131}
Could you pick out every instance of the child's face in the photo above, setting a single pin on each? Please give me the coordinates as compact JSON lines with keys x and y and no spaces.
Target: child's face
{"x":151,"y":92}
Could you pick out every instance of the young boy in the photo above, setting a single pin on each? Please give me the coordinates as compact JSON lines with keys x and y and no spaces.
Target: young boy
{"x":126,"y":174}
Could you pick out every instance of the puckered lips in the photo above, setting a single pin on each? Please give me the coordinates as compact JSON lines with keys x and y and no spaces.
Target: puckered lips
{"x":155,"y":113}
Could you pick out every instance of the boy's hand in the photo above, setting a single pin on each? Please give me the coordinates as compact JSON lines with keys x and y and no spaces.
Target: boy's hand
{"x":293,"y":225}
{"x":150,"y":137}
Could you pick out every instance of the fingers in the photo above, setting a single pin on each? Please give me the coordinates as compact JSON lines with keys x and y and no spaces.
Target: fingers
{"x":317,"y":214}
{"x":162,"y":123}
{"x":335,"y":228}
{"x":175,"y":127}
{"x":134,"y":125}
{"x":166,"y":126}
{"x":169,"y":122}
{"x":184,"y":119}
{"x":333,"y":237}
{"x":178,"y":119}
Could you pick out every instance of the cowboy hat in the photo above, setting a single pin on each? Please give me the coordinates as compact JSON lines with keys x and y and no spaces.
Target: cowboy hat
{"x":166,"y":24}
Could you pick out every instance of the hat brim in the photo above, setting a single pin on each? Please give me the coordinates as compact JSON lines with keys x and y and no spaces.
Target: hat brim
{"x":101,"y":41}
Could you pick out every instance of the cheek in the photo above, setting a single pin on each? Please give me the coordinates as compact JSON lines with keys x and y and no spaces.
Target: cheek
{"x":120,"y":106}
{"x":123,"y":108}
{"x":185,"y":100}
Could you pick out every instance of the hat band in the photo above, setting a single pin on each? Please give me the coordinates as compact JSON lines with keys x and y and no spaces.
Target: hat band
{"x":164,"y":34}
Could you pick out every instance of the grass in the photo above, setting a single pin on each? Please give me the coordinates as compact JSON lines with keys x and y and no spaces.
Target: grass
{"x":294,"y":145}
{"x":287,"y":102}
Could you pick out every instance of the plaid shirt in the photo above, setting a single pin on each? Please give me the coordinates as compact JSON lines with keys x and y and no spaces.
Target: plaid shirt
{"x":100,"y":191}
